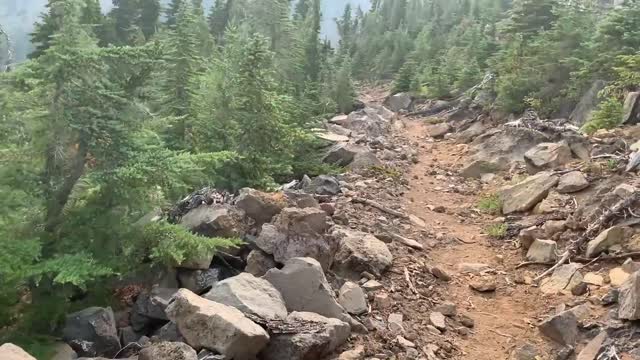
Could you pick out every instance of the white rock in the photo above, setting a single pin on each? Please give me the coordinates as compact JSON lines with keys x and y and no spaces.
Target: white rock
{"x":542,"y":251}
{"x":352,"y":298}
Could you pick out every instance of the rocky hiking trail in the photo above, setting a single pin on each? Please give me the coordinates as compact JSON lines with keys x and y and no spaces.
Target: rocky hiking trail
{"x":452,"y":234}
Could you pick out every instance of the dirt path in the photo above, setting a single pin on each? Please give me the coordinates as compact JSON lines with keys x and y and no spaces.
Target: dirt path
{"x":503,"y":319}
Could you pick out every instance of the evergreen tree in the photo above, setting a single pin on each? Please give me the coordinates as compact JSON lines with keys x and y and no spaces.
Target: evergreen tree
{"x":219,"y":18}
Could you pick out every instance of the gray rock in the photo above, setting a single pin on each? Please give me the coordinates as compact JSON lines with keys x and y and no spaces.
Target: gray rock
{"x":149,"y":308}
{"x":592,"y":349}
{"x":359,"y":252}
{"x":529,"y":235}
{"x":92,"y":332}
{"x":629,"y":298}
{"x":438,"y":130}
{"x":395,"y":323}
{"x":528,"y":193}
{"x":447,"y":308}
{"x":563,"y":279}
{"x":128,"y":335}
{"x":572,"y":182}
{"x":323,"y":185}
{"x":343,"y":154}
{"x":547,"y":156}
{"x":352,"y":298}
{"x":62,"y":351}
{"x":260,"y":206}
{"x":218,"y":220}
{"x":319,"y":336}
{"x":199,"y":280}
{"x":437,"y":319}
{"x":259,"y":262}
{"x":478,"y":168}
{"x":9,"y":351}
{"x":299,"y":233}
{"x":612,"y":236}
{"x":303,"y":286}
{"x":561,"y":328}
{"x":214,"y":326}
{"x":169,"y":332}
{"x":372,"y":285}
{"x":631,"y":109}
{"x":168,"y":351}
{"x":398,"y":102}
{"x":255,"y":297}
{"x":589,"y":102}
{"x":364,"y":161}
{"x":543,"y":251}
{"x":302,"y":199}
{"x":525,"y":352}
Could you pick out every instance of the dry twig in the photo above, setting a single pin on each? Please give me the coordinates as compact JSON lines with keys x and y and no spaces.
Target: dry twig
{"x":408,"y":278}
{"x":380,"y":207}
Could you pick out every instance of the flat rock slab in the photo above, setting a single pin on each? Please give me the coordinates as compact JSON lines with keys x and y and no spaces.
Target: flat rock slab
{"x":590,"y":352}
{"x":563,"y":279}
{"x":528,"y":193}
{"x":214,"y":326}
{"x":251,"y":295}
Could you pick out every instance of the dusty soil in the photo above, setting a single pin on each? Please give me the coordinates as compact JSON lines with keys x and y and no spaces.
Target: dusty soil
{"x":504,"y":318}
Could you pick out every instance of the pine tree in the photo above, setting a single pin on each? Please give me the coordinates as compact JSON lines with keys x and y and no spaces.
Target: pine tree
{"x":172,"y":11}
{"x":344,"y":93}
{"x":149,"y":16}
{"x":219,"y":18}
{"x":301,"y":10}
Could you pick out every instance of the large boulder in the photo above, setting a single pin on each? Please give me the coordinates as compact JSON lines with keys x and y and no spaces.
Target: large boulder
{"x":298,"y":233}
{"x":316,"y":338}
{"x":588,"y":103}
{"x":255,"y":297}
{"x":217,"y":327}
{"x":343,"y":154}
{"x":303,"y":286}
{"x":398,"y":102}
{"x":506,"y":145}
{"x":631,"y":109}
{"x":168,"y":351}
{"x":629,"y":298}
{"x":572,"y":182}
{"x":528,"y":193}
{"x":359,"y":252}
{"x":547,"y":156}
{"x":10,"y":351}
{"x":612,"y":236}
{"x":364,"y":161}
{"x":218,"y":220}
{"x":92,"y":332}
{"x":323,"y":185}
{"x":260,"y":206}
{"x":149,"y":308}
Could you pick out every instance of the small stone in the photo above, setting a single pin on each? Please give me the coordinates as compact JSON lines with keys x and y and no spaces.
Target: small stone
{"x":433,"y":330}
{"x":580,"y":289}
{"x":472,"y":268}
{"x":372,"y":285}
{"x":395,"y":323}
{"x":561,"y":328}
{"x":593,"y":279}
{"x":356,"y":354}
{"x":404,"y":342}
{"x":447,"y":308}
{"x":525,"y":352}
{"x":438,"y":320}
{"x":352,"y":298}
{"x":564,"y":353}
{"x":484,"y":285}
{"x":612,"y":236}
{"x":610,"y":298}
{"x":382,"y":301}
{"x":543,"y":251}
{"x":440,"y":274}
{"x":467,"y":321}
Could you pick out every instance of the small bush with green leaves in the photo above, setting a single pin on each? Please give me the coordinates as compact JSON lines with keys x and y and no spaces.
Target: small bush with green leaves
{"x":497,"y":231}
{"x":607,"y":116}
{"x":490,"y":204}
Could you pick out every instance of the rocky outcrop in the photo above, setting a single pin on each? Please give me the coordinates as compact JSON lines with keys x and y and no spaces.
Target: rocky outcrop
{"x":253,"y":296}
{"x":92,"y":332}
{"x":10,"y":351}
{"x":214,"y":326}
{"x":631,"y":109}
{"x":303,"y":286}
{"x":319,"y":336}
{"x":298,"y":233}
{"x":359,"y":252}
{"x":528,"y":193}
{"x":168,"y":351}
{"x":588,"y":103}
{"x":547,"y":156}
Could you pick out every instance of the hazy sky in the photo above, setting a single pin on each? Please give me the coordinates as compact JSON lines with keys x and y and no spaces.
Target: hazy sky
{"x":18,"y":16}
